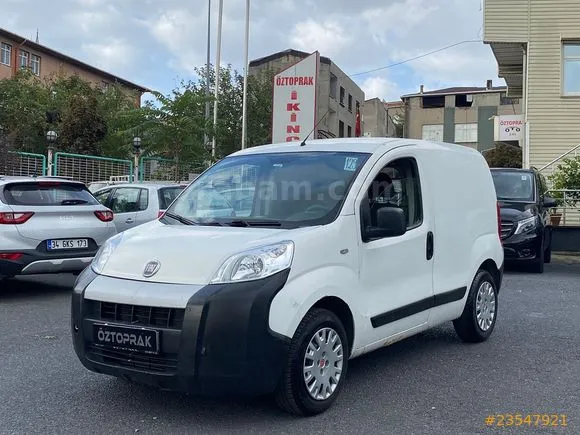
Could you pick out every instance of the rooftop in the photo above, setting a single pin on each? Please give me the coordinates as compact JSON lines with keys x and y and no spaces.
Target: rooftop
{"x":42,"y":49}
{"x":289,"y":52}
{"x":458,"y":91}
{"x":368,"y":145}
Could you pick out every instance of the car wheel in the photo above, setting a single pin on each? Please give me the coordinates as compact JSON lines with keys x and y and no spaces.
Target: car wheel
{"x":316,"y":365}
{"x":480,"y":313}
{"x":537,"y":265}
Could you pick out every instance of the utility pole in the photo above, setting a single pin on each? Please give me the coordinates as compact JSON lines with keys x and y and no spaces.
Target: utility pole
{"x":207,"y":77}
{"x":217,"y":76}
{"x":245,"y":98}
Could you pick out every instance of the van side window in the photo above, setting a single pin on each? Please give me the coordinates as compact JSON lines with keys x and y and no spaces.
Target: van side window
{"x":396,"y":185}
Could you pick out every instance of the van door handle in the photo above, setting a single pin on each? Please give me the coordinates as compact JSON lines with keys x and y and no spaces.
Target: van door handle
{"x":129,"y":221}
{"x":429,"y":245}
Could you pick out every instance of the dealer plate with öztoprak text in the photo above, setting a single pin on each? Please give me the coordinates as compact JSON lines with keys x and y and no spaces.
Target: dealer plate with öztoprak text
{"x":125,"y":338}
{"x":61,"y":244}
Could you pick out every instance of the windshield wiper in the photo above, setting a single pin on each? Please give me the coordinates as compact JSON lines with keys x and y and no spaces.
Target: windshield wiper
{"x":254,"y":223}
{"x":181,"y":219}
{"x":73,"y":202}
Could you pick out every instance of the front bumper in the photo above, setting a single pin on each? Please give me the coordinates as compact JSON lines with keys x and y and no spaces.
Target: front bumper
{"x":522,"y":247}
{"x":220,"y":343}
{"x":40,"y":261}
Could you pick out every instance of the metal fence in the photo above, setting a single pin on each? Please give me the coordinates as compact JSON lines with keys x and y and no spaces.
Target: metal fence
{"x":23,"y":164}
{"x":162,"y":169}
{"x":89,"y":169}
{"x":567,"y":213}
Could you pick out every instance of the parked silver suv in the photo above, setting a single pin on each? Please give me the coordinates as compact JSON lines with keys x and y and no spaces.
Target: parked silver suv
{"x":137,"y":203}
{"x":49,"y":225}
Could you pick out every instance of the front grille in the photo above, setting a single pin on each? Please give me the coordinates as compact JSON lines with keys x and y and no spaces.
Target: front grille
{"x":141,"y":315}
{"x":506,"y":229}
{"x":165,"y":363}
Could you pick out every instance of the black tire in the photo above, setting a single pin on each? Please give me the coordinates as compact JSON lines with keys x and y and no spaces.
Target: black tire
{"x":292,"y":395}
{"x":537,"y":265}
{"x":466,"y":326}
{"x":548,"y":250}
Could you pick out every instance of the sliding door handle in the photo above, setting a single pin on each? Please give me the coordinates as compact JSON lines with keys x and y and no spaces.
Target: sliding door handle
{"x":430,"y":246}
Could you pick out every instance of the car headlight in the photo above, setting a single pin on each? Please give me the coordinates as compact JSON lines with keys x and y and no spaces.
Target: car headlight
{"x":256,"y":263}
{"x":104,"y":253}
{"x":526,"y":225}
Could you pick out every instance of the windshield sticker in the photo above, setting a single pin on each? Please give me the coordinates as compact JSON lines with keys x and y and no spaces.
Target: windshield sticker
{"x":350,"y":163}
{"x":524,"y":177}
{"x":278,"y":165}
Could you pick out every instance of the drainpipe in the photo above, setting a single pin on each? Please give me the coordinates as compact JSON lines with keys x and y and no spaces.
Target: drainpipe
{"x":526,"y":141}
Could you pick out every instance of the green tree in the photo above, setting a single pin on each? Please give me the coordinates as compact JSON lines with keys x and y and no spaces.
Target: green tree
{"x":504,"y":156}
{"x":567,"y":177}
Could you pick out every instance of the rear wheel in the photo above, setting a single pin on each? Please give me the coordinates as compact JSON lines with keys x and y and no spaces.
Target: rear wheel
{"x":316,"y":365}
{"x":479,"y":315}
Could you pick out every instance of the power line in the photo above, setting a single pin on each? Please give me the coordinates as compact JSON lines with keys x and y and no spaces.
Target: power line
{"x":416,"y":57}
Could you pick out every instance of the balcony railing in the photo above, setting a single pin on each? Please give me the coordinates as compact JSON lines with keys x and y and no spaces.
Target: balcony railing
{"x":569,"y":206}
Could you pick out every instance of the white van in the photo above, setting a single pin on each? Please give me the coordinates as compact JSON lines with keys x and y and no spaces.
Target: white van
{"x":351,"y":244}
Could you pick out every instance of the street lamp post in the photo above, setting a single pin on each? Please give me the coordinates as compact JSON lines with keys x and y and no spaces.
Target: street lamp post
{"x":245,"y":93}
{"x":137,"y":152}
{"x":51,"y":137}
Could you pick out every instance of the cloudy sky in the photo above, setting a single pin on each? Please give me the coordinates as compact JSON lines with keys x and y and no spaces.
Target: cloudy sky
{"x":158,"y":42}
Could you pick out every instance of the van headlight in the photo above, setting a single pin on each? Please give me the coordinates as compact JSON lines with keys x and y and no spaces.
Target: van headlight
{"x":104,"y":253}
{"x":256,"y":263}
{"x":526,"y":225}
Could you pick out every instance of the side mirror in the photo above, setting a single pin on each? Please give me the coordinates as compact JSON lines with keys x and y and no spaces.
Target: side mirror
{"x":391,"y":222}
{"x":549,"y":202}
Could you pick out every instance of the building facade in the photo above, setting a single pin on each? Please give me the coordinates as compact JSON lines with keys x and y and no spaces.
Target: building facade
{"x":382,"y":119}
{"x":462,"y":115}
{"x":537,"y":47}
{"x":337,"y":97}
{"x":17,"y":52}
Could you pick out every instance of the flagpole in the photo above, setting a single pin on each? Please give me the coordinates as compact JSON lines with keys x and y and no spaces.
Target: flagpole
{"x":207,"y":76}
{"x":217,"y":76}
{"x":245,"y":97}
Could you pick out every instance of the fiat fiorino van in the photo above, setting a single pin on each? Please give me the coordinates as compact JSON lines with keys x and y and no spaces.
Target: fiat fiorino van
{"x":317,"y":253}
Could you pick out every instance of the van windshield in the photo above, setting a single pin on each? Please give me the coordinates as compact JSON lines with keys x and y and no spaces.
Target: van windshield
{"x":514,"y":186}
{"x":275,"y":189}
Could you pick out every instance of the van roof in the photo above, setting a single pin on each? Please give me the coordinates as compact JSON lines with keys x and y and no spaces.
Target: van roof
{"x":369,"y":145}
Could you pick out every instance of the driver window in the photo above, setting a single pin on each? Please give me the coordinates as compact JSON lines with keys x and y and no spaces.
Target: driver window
{"x":395,"y":185}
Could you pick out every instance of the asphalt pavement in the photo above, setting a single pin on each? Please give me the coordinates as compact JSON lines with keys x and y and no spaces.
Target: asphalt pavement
{"x":431,"y":383}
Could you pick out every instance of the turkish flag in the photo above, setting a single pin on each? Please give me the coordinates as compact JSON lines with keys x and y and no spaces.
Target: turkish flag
{"x":357,"y":125}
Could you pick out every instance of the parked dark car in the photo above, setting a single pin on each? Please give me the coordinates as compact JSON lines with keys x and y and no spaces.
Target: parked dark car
{"x":526,"y":231}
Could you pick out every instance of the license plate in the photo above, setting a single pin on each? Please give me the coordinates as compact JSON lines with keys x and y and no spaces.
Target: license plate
{"x":56,"y":245}
{"x":125,"y":338}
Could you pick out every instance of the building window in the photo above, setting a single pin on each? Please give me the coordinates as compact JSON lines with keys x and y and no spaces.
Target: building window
{"x":571,"y":69}
{"x":5,"y":54}
{"x":349,"y":129}
{"x":350,"y":103}
{"x":333,"y":85}
{"x":432,"y":132}
{"x":342,"y":92}
{"x":23,"y":59}
{"x":466,"y":133}
{"x":35,"y":64}
{"x":340,"y":129}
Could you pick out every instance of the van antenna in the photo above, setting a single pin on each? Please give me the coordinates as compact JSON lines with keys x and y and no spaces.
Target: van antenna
{"x":312,"y":131}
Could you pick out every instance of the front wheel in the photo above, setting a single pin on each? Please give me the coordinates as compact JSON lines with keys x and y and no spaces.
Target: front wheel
{"x":479,"y":315}
{"x":316,"y":365}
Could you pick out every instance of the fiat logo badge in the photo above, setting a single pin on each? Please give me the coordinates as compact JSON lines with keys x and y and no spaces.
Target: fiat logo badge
{"x":151,"y":268}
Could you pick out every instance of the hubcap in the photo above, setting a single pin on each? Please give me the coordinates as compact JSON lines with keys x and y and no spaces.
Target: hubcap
{"x":323,"y":361}
{"x":485,"y":306}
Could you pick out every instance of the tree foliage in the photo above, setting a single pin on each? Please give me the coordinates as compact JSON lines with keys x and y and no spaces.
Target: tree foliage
{"x":504,"y":156}
{"x":567,"y":177}
{"x":93,"y":121}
